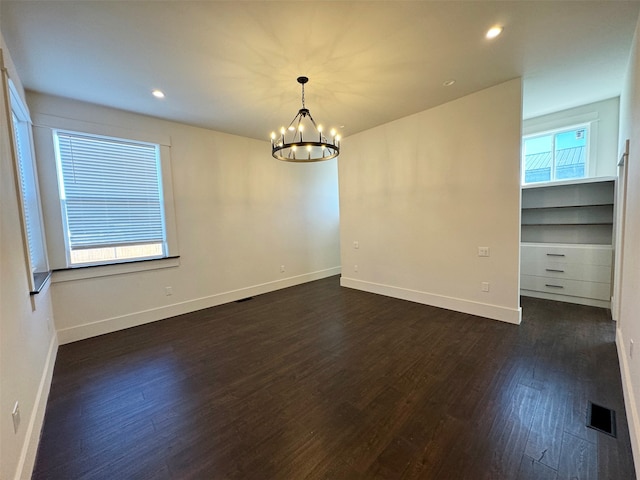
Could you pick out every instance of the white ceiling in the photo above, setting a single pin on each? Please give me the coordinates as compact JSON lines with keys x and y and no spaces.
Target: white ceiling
{"x":232,"y":65}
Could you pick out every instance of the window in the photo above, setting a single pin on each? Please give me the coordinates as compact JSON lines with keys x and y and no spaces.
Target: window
{"x":557,"y":155}
{"x":111,"y":198}
{"x":29,"y":193}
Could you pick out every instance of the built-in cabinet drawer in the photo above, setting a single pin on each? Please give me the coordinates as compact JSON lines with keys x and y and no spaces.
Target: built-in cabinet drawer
{"x":571,"y":271}
{"x":566,"y":271}
{"x":561,"y":286}
{"x":583,"y":254}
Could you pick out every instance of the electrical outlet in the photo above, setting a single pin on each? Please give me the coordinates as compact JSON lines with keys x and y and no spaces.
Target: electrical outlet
{"x":483,"y":252}
{"x":281,"y":268}
{"x":168,"y":291}
{"x":15,"y":415}
{"x":484,"y":286}
{"x":355,"y":268}
{"x":356,"y":244}
{"x":630,"y":348}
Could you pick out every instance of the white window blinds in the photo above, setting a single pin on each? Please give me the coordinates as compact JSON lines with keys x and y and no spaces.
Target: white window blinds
{"x":33,"y":235}
{"x":111,"y":191}
{"x":24,"y":187}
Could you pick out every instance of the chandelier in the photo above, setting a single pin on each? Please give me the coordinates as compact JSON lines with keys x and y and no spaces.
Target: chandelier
{"x":303,"y":140}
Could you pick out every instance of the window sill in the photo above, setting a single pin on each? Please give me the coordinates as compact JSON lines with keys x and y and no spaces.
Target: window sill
{"x":39,"y":280}
{"x":94,"y":271}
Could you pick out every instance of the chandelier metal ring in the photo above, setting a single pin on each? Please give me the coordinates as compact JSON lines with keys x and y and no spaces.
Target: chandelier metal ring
{"x":291,"y":145}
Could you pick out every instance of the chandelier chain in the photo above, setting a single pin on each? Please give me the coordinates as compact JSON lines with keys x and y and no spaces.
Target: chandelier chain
{"x":303,"y":96}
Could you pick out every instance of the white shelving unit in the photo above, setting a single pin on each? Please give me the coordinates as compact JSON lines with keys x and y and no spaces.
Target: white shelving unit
{"x":567,"y":241}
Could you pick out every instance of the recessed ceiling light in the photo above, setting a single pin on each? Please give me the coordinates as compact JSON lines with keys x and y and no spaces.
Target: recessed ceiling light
{"x":448,"y":83}
{"x":157,"y":93}
{"x":493,"y":32}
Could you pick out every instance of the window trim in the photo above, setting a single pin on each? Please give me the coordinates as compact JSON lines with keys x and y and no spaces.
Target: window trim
{"x":44,"y":124}
{"x":81,"y":272}
{"x":31,"y":216}
{"x":587,"y":125}
{"x":57,"y":132}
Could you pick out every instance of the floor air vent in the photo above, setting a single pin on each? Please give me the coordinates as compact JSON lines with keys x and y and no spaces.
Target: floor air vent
{"x":602,"y":419}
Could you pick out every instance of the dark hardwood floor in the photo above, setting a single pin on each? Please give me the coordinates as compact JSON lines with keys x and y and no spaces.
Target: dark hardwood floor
{"x":323,"y":382}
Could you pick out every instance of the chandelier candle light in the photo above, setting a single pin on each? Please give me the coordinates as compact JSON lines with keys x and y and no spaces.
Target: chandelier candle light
{"x":303,"y":140}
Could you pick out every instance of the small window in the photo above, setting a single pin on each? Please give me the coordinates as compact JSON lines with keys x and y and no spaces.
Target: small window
{"x":557,"y":155}
{"x":29,"y":192}
{"x":111,"y":198}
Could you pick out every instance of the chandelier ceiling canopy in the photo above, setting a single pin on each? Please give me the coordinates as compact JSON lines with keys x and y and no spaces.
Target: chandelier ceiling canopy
{"x":303,"y":140}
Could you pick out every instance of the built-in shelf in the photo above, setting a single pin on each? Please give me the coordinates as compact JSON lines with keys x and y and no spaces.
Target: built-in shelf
{"x":558,"y":207}
{"x":575,"y":194}
{"x":567,"y":235}
{"x":569,"y":212}
{"x":550,"y":224}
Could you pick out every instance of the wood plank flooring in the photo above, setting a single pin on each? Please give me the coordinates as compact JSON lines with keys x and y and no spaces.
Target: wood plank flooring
{"x":322,"y":382}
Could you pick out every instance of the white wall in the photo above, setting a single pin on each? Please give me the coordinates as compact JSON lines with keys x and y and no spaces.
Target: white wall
{"x":28,"y":343}
{"x":628,"y":250}
{"x":240,"y":215}
{"x":422,"y":193}
{"x":604,"y":132}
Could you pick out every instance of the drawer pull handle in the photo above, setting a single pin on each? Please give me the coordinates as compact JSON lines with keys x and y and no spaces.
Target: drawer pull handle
{"x":555,"y":255}
{"x":553,"y":286}
{"x":554,"y":270}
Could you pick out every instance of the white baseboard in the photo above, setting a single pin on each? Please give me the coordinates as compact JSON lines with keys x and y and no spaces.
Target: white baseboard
{"x":29,"y":450}
{"x":495,"y":312}
{"x":591,"y":302}
{"x":630,"y":405}
{"x":108,"y":325}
